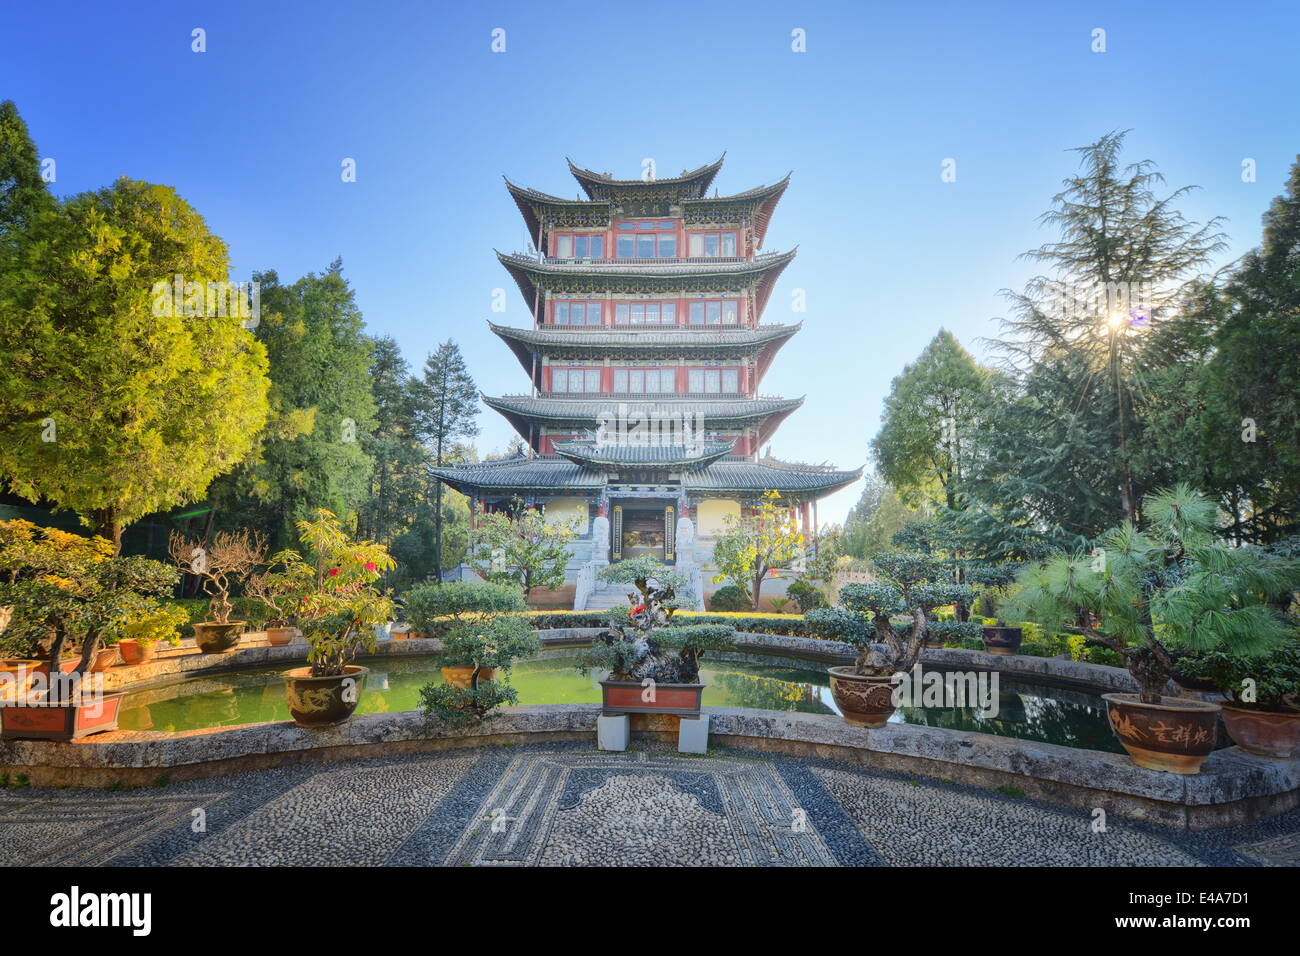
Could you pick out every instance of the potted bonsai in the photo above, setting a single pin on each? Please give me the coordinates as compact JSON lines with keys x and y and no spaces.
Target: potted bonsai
{"x":1263,"y":713}
{"x":437,"y":610}
{"x":1146,"y":593}
{"x":229,"y":558}
{"x":911,"y":585}
{"x":75,"y":590}
{"x":339,"y":607}
{"x":654,"y":667}
{"x":143,"y":629}
{"x":483,"y":652}
{"x":280,"y":593}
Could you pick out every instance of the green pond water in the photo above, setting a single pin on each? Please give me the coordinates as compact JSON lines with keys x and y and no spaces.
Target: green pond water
{"x":1027,"y":711}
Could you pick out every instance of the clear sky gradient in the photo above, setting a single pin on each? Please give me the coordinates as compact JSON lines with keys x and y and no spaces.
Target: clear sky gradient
{"x":253,"y":133}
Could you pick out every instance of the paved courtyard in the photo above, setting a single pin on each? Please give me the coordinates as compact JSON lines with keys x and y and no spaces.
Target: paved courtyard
{"x":566,"y":805}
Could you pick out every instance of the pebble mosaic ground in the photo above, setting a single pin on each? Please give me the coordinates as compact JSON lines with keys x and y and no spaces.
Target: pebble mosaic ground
{"x":568,"y":805}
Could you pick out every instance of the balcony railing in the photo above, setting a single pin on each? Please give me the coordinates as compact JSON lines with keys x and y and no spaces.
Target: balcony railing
{"x":670,"y":261}
{"x":643,"y":397}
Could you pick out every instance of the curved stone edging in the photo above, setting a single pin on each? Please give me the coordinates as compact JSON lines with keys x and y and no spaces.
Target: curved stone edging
{"x":1233,"y":787}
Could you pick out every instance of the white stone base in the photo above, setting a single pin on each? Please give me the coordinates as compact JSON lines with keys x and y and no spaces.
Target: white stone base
{"x":612,"y":733}
{"x":693,"y":735}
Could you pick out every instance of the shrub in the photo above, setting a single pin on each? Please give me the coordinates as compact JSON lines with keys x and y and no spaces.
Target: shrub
{"x":493,"y":643}
{"x":729,"y":598}
{"x":435,"y":608}
{"x":461,"y":706}
{"x":1275,"y":677}
{"x":807,"y":596}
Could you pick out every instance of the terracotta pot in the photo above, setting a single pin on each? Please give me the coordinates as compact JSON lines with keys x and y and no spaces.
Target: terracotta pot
{"x":280,"y":636}
{"x":137,"y":652}
{"x":625,"y":697}
{"x":1268,"y":733}
{"x":104,"y":658}
{"x":323,"y":701}
{"x":461,"y":676}
{"x":66,"y":666}
{"x":1175,"y":735}
{"x":863,"y":701}
{"x":65,"y":722}
{"x":20,"y":672}
{"x":214,"y":638}
{"x":1002,"y":640}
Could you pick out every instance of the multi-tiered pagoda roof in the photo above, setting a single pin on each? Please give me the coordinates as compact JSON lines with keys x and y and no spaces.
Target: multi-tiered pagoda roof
{"x":646,"y":299}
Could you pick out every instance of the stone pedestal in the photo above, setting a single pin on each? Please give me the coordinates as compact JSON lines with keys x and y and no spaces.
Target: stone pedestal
{"x":693,"y":735}
{"x":612,"y":733}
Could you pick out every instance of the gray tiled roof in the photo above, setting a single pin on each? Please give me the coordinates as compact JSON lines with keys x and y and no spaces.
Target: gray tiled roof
{"x":661,"y":455}
{"x":649,"y":338}
{"x":573,"y":409}
{"x":554,"y":474}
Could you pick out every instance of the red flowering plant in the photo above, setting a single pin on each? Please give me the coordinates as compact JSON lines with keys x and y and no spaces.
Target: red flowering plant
{"x":329,"y":589}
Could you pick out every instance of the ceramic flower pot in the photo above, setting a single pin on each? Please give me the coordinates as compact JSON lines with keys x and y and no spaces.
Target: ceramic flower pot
{"x":214,"y":638}
{"x":323,"y":701}
{"x":1264,"y":732}
{"x":461,"y":676}
{"x":864,"y":701}
{"x":104,"y":658}
{"x":137,"y":652}
{"x":1002,"y":640}
{"x":280,"y":636}
{"x":1175,"y":735}
{"x":628,"y":697}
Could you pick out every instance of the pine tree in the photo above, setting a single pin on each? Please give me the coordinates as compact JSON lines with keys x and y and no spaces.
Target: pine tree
{"x":23,"y":191}
{"x":448,"y":409}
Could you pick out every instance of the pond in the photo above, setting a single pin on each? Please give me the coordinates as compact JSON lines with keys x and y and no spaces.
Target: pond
{"x":1025,"y":710}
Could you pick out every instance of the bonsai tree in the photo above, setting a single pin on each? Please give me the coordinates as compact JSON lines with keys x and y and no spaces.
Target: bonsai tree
{"x":230,"y":558}
{"x":1269,"y":682}
{"x":912,"y":585}
{"x":338,"y":602}
{"x":1146,"y":593}
{"x":522,"y":548}
{"x":432,"y":608}
{"x":641,"y":644}
{"x":495,"y":643}
{"x":148,"y":626}
{"x":750,"y":548}
{"x":70,"y":590}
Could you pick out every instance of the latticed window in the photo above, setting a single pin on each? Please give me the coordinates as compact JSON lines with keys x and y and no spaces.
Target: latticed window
{"x":645,"y":313}
{"x":576,"y":313}
{"x":575,"y":380}
{"x":636,"y":380}
{"x":713,"y":380}
{"x":580,"y":246}
{"x":724,"y":312}
{"x":711,"y":244}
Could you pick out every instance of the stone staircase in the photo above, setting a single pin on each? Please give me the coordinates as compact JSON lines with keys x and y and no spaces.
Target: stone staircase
{"x":605,"y":596}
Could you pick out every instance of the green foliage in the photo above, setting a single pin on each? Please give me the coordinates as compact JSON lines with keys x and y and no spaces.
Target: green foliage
{"x":431,"y":608}
{"x":522,"y":548}
{"x":112,"y":403}
{"x":750,"y":547}
{"x":620,"y":656}
{"x":1274,"y":678}
{"x":332,"y":586}
{"x":924,"y":442}
{"x":806,"y":595}
{"x":495,"y":642}
{"x":729,"y":598}
{"x":23,"y":193}
{"x":1170,"y":586}
{"x":74,"y":588}
{"x":448,"y":410}
{"x":464,"y":706}
{"x":322,"y":409}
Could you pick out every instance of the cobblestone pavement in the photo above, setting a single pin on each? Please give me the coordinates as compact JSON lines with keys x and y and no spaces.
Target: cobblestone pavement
{"x":567,"y":805}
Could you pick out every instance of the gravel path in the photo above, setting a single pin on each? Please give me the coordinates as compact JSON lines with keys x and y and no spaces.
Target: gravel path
{"x":566,"y":805}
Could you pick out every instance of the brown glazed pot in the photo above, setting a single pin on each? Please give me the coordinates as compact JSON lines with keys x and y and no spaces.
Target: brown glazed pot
{"x":320,"y":701}
{"x":1002,"y":640}
{"x":863,"y":701}
{"x":136,"y":652}
{"x":1175,"y":735}
{"x":214,"y":638}
{"x":461,"y":676}
{"x":280,"y":636}
{"x":1269,"y":733}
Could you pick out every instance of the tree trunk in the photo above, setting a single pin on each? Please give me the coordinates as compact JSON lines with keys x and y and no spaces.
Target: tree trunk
{"x":106,"y":525}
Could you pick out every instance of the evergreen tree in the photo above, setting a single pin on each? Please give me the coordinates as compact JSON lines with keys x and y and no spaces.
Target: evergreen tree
{"x":448,"y":409}
{"x":116,"y":402}
{"x":23,"y":192}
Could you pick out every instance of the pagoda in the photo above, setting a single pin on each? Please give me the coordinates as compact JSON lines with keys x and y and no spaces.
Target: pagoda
{"x":643,"y":421}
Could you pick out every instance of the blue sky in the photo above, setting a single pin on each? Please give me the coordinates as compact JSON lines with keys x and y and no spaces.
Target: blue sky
{"x":253,"y":132}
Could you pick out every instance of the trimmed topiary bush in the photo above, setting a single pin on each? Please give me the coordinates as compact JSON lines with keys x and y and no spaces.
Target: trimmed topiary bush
{"x":807,"y":596}
{"x":435,"y":608}
{"x":729,"y":598}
